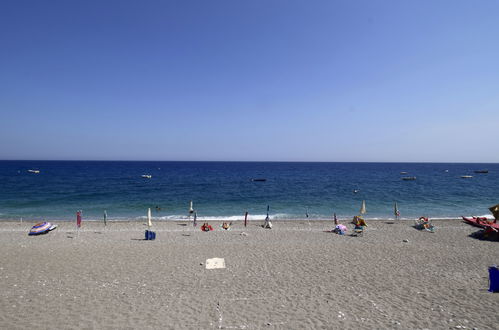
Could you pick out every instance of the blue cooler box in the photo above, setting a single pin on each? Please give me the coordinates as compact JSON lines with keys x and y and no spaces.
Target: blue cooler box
{"x":493,"y":279}
{"x":150,"y":235}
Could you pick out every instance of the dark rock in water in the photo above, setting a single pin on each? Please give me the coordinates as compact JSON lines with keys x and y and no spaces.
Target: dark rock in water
{"x":259,"y":180}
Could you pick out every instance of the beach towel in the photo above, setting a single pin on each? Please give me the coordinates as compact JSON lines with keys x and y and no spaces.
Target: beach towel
{"x":215,"y":263}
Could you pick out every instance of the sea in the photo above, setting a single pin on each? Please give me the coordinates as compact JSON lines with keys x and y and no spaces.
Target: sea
{"x":226,"y":190}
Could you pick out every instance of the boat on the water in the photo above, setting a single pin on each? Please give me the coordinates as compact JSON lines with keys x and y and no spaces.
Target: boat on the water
{"x":146,"y":176}
{"x":34,"y":171}
{"x":409,"y":178}
{"x":466,"y":176}
{"x":482,"y":171}
{"x":259,"y":180}
{"x":403,"y":172}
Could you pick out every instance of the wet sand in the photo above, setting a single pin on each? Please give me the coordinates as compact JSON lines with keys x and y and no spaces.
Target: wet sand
{"x":295,"y":276}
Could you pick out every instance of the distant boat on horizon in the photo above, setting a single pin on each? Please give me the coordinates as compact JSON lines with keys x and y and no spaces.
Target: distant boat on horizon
{"x":259,"y":180}
{"x":466,"y":176}
{"x":146,"y":176}
{"x":34,"y":171}
{"x":409,"y":178}
{"x":482,"y":171}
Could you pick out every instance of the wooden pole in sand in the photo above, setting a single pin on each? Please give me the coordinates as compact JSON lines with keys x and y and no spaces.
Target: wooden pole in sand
{"x":246,"y":219}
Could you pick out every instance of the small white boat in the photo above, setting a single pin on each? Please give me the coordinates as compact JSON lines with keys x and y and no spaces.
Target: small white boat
{"x":146,"y":176}
{"x":466,"y":176}
{"x":33,"y":171}
{"x":403,"y":172}
{"x":409,"y":178}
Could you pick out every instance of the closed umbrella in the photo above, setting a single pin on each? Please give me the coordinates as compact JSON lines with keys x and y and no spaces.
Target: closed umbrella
{"x":105,"y":217}
{"x":396,"y":211}
{"x":267,"y":223}
{"x":191,"y":210}
{"x":78,"y":219}
{"x":363,"y":208}
{"x":149,"y":222}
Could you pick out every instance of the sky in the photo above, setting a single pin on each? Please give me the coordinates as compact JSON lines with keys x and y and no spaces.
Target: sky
{"x":260,"y":80}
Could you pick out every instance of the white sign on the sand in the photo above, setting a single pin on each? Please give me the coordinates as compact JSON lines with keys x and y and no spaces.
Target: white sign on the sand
{"x":215,"y":263}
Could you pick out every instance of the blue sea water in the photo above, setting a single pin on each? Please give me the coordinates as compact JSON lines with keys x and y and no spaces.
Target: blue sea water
{"x":225,"y":189}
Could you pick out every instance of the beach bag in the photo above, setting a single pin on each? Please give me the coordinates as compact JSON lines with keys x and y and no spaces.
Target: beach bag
{"x":150,"y":235}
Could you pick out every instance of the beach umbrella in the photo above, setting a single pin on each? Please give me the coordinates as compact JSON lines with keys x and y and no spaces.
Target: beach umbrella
{"x":149,"y":222}
{"x":195,"y":222}
{"x":245,"y":218}
{"x":396,"y":211}
{"x":363,"y":208}
{"x":335,"y":219}
{"x":191,"y":210}
{"x":105,"y":217}
{"x":495,"y":211}
{"x":268,"y":208}
{"x":78,"y":219}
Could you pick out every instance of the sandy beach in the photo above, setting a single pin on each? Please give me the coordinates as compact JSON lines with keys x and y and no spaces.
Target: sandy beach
{"x":295,"y":276}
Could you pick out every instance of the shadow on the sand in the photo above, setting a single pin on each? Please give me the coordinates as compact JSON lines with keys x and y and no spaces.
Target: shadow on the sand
{"x":483,"y":235}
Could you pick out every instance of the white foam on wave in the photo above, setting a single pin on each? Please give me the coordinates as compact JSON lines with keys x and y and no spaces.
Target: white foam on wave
{"x":487,"y":216}
{"x":251,"y":217}
{"x":183,"y":217}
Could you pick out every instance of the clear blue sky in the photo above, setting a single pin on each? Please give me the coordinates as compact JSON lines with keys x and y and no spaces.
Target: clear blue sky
{"x":348,"y":80}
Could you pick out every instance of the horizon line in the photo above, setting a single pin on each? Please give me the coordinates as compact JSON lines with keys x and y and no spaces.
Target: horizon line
{"x":242,"y":161}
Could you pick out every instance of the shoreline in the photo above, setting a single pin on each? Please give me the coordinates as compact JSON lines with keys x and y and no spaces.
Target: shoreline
{"x":222,"y":219}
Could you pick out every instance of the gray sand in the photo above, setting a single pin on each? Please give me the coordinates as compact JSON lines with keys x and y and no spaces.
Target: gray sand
{"x":295,"y":276}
